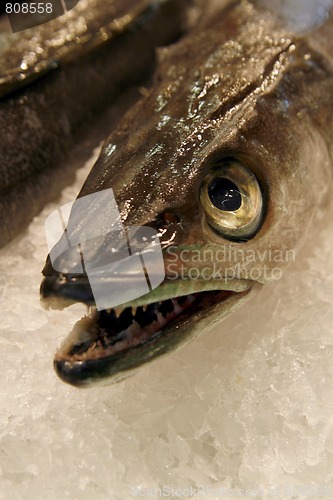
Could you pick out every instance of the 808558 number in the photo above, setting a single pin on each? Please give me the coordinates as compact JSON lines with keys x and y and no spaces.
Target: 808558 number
{"x":29,"y":8}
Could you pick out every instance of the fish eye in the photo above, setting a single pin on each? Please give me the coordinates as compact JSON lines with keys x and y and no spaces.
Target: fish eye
{"x":232,"y":200}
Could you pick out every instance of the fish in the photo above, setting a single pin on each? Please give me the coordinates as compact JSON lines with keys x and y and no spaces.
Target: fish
{"x":228,"y":158}
{"x":61,"y":76}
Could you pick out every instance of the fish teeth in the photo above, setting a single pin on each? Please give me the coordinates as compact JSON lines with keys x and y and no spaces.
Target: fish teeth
{"x":135,"y":328}
{"x":176,"y":306}
{"x":160,"y":316}
{"x":117,"y":311}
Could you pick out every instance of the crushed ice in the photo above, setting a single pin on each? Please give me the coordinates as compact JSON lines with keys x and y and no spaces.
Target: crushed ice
{"x":247,"y":405}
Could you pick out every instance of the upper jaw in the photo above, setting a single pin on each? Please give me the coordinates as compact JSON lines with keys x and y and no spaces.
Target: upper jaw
{"x":58,"y":291}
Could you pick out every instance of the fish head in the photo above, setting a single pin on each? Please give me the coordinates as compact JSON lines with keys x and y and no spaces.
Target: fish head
{"x":225,"y":161}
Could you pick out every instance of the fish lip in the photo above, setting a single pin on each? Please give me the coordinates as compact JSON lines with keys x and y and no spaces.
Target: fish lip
{"x":119,"y":365}
{"x":58,"y":292}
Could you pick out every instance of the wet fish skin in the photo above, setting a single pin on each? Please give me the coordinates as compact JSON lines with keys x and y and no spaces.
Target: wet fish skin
{"x":241,"y":87}
{"x":28,"y":54}
{"x":47,"y":97}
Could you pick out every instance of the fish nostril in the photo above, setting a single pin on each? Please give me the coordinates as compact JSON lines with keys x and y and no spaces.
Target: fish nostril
{"x":167,"y":218}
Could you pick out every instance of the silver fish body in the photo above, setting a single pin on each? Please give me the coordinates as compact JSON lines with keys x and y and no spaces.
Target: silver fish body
{"x":60,"y":76}
{"x":239,"y":98}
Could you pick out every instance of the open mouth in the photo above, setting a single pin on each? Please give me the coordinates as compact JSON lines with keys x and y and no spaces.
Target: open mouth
{"x":103,"y":333}
{"x":108,"y":343}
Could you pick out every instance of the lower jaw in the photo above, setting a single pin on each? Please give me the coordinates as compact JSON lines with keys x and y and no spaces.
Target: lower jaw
{"x":108,"y":368}
{"x":93,"y":339}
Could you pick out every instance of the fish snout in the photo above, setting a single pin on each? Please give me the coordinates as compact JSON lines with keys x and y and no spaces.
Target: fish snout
{"x":65,"y":280}
{"x":105,"y":269}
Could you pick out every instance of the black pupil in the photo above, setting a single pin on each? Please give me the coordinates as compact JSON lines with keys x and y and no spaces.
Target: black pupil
{"x":224,"y":194}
